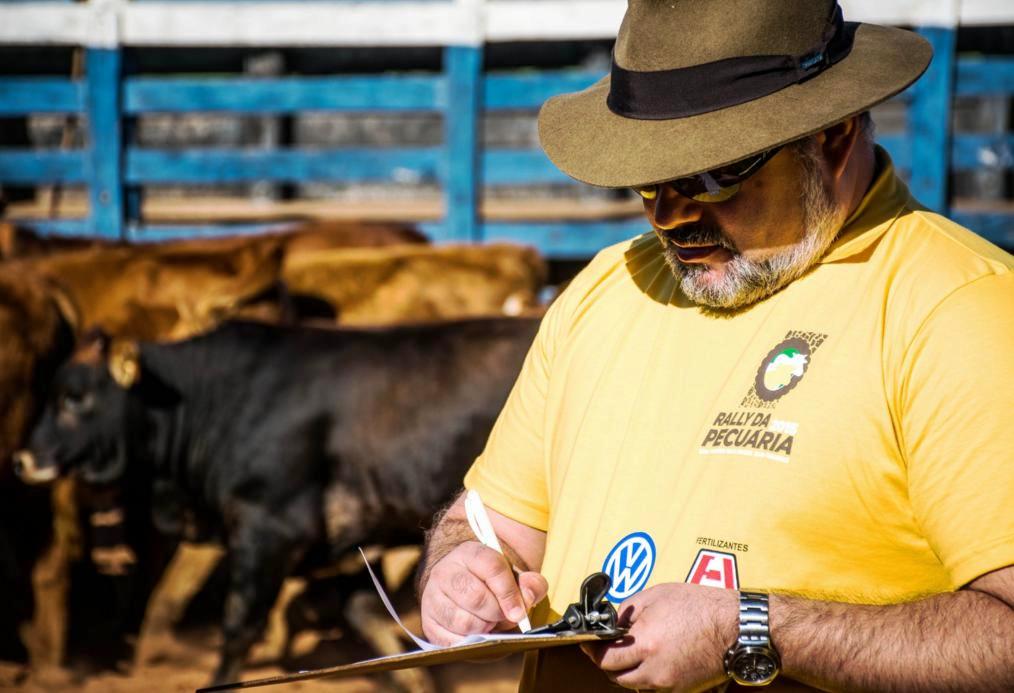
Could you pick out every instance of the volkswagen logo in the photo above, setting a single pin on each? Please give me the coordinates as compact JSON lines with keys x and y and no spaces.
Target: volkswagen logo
{"x":629,"y":565}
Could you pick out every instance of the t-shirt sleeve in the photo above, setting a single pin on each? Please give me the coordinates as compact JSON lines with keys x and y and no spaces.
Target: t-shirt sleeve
{"x":510,"y":474}
{"x":956,"y":397}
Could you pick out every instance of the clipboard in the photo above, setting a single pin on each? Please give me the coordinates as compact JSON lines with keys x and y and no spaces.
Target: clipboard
{"x":590,"y":619}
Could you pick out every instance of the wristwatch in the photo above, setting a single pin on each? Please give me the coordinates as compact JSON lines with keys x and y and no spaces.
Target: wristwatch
{"x":753,"y":660}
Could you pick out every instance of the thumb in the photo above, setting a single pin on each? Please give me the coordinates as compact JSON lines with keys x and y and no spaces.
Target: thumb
{"x":534,"y":587}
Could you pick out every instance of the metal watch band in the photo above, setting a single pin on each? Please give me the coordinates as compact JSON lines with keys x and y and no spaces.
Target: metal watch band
{"x":754,"y":627}
{"x":752,"y":660}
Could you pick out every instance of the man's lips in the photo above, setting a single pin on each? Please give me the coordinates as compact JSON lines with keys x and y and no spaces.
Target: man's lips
{"x":694,"y":247}
{"x":695,"y":253}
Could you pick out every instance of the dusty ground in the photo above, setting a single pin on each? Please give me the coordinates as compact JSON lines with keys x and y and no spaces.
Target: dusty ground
{"x":192,"y":657}
{"x":190,"y":667}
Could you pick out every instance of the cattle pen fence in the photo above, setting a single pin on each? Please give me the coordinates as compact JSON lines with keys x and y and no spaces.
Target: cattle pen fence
{"x":108,"y":97}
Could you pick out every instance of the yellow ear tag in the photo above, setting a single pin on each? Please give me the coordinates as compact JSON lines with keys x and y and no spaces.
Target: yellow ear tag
{"x":124,"y":363}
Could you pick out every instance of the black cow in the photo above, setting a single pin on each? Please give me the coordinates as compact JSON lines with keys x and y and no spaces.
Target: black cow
{"x":291,"y":445}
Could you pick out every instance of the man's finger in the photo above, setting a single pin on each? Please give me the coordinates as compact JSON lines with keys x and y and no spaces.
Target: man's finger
{"x":471,"y":593}
{"x":627,"y":613}
{"x":534,"y":588}
{"x":594,"y":650}
{"x":438,"y":635}
{"x":618,"y":655}
{"x":450,"y":614}
{"x":634,"y":678}
{"x":496,"y":573}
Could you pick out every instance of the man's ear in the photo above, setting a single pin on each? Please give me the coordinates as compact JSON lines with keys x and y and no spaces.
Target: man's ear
{"x":839,"y":141}
{"x":124,"y":362}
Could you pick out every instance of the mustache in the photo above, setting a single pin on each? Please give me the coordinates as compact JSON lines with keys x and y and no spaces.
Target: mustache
{"x":697,"y":234}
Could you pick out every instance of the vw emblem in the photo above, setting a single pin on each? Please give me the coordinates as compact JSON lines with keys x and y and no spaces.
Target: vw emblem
{"x":629,"y":565}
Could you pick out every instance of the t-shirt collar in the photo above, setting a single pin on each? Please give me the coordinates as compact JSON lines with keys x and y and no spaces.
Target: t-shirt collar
{"x":881,"y":205}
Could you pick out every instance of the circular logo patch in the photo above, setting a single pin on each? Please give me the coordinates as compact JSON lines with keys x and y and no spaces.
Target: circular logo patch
{"x":782,"y":368}
{"x":629,"y":565}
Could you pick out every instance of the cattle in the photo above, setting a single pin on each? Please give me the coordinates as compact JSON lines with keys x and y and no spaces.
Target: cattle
{"x":173,"y":290}
{"x":367,"y":286}
{"x":313,"y":236}
{"x":43,"y":303}
{"x":290,"y":445}
{"x":375,"y":286}
{"x":19,"y":242}
{"x":298,"y":239}
{"x":35,"y":339}
{"x":164,"y":291}
{"x":57,"y":288}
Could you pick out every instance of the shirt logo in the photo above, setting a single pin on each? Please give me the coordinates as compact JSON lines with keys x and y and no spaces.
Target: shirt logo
{"x":629,"y":565}
{"x":782,"y":369}
{"x":714,"y":569}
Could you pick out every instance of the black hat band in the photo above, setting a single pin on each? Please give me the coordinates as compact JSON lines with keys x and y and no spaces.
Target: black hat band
{"x":688,"y":91}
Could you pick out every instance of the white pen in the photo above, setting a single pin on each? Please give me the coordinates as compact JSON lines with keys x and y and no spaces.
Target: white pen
{"x":479,"y":521}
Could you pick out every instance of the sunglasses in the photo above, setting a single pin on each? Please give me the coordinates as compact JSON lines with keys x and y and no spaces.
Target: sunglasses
{"x":717,"y":185}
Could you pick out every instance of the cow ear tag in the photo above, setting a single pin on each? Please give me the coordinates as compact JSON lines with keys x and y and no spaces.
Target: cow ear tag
{"x":124,"y":363}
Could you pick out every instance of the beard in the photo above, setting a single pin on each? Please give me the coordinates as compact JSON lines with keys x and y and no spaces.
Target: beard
{"x":746,"y":281}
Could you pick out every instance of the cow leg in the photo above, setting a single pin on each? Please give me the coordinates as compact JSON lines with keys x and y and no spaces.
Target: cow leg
{"x":45,"y":637}
{"x":274,"y":646}
{"x":183,"y":578}
{"x":263,"y":551}
{"x":367,"y":615}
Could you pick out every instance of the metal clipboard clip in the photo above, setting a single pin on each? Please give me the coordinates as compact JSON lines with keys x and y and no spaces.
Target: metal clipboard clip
{"x":593,"y":614}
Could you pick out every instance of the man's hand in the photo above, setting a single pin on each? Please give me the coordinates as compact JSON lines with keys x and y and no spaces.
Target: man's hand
{"x":960,"y":640}
{"x":474,"y":590}
{"x":678,"y":637}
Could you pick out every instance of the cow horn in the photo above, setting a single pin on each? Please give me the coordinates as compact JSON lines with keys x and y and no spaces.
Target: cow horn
{"x":124,"y":363}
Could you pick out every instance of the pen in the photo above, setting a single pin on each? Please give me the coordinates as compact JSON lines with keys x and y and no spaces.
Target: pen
{"x":478,"y":520}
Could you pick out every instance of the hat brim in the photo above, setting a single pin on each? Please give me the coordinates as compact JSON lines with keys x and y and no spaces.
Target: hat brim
{"x":589,"y":142}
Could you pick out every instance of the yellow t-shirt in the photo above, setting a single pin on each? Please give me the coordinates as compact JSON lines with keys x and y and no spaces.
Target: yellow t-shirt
{"x":848,"y":438}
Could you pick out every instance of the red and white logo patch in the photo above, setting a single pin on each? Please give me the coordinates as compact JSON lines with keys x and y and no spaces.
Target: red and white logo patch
{"x":714,"y":569}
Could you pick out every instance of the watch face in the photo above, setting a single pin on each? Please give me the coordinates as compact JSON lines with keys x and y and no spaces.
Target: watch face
{"x":754,"y":667}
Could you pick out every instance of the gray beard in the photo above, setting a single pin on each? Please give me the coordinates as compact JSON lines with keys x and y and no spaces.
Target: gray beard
{"x":748,"y":281}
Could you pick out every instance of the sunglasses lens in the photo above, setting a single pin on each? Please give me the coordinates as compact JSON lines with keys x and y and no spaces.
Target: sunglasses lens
{"x":720,"y":195}
{"x":717,"y":185}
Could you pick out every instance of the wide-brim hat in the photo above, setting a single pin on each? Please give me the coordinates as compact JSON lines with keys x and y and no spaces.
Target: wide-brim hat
{"x":698,"y":84}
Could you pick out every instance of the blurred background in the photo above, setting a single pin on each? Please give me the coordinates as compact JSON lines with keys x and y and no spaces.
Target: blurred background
{"x":166,"y":119}
{"x":378,"y":163}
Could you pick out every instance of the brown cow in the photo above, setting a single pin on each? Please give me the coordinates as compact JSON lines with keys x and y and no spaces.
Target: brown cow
{"x":313,"y":236}
{"x":17,"y":241}
{"x":298,"y":239}
{"x":35,"y":338}
{"x":160,"y":291}
{"x":379,"y":286}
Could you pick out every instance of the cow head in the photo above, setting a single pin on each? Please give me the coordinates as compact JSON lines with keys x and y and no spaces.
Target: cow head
{"x":82,"y":426}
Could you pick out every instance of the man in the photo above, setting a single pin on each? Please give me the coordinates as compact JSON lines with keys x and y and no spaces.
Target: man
{"x":779,"y":422}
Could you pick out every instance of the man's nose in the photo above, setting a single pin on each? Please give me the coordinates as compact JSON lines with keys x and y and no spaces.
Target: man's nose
{"x":670,"y":210}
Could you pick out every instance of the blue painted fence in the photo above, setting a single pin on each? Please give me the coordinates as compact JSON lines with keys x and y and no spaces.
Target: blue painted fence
{"x":114,"y":171}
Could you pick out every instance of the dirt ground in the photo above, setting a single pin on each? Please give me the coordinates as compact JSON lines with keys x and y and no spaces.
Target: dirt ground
{"x":190,"y":660}
{"x":190,"y":667}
